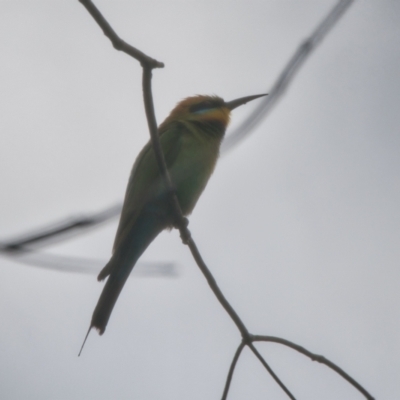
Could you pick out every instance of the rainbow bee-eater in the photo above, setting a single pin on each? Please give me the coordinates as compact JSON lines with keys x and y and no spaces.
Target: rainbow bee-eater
{"x":190,"y":138}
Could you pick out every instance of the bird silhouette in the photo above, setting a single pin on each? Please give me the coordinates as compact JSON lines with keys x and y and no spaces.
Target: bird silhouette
{"x":190,"y":139}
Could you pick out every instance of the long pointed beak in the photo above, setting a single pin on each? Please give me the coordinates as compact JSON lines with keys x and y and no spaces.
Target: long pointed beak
{"x":243,"y":100}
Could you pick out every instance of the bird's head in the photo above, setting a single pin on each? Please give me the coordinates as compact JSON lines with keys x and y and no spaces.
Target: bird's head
{"x":209,"y":110}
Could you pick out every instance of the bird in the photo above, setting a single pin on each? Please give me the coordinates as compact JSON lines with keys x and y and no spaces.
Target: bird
{"x":190,"y":139}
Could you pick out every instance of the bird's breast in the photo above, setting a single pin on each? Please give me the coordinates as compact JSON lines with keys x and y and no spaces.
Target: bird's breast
{"x":194,"y":166}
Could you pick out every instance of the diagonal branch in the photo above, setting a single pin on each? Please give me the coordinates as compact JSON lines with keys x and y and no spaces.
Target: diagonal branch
{"x":314,"y":357}
{"x":232,"y":369}
{"x":271,"y":372}
{"x":81,"y":265}
{"x":117,"y":42}
{"x":286,"y":76}
{"x":59,"y":231}
{"x":217,"y":291}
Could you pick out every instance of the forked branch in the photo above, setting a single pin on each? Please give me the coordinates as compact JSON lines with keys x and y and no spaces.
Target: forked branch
{"x":148,"y":64}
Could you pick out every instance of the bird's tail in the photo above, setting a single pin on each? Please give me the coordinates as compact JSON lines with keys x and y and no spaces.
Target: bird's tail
{"x":145,"y":230}
{"x":120,"y":272}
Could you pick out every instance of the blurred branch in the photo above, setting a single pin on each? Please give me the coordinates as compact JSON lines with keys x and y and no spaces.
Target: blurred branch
{"x":59,"y":231}
{"x":82,"y":265}
{"x":286,"y":76}
{"x":22,"y":249}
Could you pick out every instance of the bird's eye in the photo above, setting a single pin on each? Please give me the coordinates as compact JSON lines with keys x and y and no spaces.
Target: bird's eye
{"x":201,"y":107}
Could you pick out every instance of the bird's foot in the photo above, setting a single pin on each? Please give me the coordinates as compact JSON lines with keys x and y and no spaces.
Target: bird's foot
{"x":185,"y":236}
{"x":182,"y":224}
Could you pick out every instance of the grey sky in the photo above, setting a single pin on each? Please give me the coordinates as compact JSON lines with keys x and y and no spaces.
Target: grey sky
{"x":300,"y":223}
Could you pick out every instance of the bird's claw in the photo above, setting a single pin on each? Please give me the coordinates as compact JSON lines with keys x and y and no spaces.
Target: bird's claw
{"x":185,"y":236}
{"x":182,"y":224}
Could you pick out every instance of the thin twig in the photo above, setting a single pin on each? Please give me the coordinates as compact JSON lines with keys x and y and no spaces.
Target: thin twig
{"x":314,"y":357}
{"x":286,"y":76}
{"x":117,"y":42}
{"x":59,"y":231}
{"x":81,"y":265}
{"x":217,"y":291}
{"x":162,"y":165}
{"x":269,"y":369}
{"x":232,"y":369}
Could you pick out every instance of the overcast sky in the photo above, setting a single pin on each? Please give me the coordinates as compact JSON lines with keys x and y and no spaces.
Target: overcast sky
{"x":300,"y":223}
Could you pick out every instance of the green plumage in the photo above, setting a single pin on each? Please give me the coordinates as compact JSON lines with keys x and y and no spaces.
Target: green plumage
{"x":190,"y":139}
{"x":190,"y":151}
{"x":190,"y":156}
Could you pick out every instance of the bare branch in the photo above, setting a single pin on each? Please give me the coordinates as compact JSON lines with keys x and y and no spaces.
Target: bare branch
{"x":117,"y":42}
{"x":60,"y":230}
{"x":286,"y":76}
{"x":232,"y":369}
{"x":162,"y":165}
{"x":217,"y":291}
{"x":83,"y":265}
{"x":314,"y":357}
{"x":271,"y":372}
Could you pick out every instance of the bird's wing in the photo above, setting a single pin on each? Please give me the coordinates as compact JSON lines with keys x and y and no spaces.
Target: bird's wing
{"x":145,"y":182}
